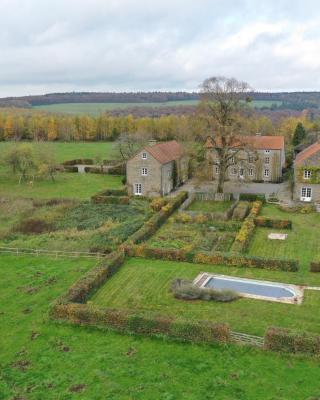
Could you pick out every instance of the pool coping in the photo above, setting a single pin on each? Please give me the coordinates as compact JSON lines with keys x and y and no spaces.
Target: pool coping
{"x":202,"y":279}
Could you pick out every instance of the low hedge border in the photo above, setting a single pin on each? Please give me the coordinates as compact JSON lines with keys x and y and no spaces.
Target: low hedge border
{"x":252,"y":197}
{"x":111,"y":196}
{"x":273,"y":223}
{"x":216,"y":258}
{"x":212,"y":216}
{"x":245,"y":233}
{"x":290,"y":341}
{"x":154,"y":223}
{"x":315,"y":266}
{"x":126,"y":321}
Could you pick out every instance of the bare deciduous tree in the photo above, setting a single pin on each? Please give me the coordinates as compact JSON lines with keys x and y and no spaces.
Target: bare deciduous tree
{"x":222,"y":100}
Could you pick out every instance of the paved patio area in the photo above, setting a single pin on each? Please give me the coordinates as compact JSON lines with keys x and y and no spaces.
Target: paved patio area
{"x":281,"y":190}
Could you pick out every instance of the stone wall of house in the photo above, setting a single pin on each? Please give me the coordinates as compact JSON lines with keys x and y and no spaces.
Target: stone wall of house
{"x":315,"y":191}
{"x":152,"y":183}
{"x":252,"y":166}
{"x":167,"y":178}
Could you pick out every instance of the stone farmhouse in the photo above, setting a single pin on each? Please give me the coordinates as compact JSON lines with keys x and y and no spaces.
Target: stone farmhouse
{"x":157,"y":169}
{"x":307,"y":174}
{"x":257,"y":159}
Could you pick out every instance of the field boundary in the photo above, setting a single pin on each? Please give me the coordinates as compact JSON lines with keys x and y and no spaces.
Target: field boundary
{"x":55,"y":253}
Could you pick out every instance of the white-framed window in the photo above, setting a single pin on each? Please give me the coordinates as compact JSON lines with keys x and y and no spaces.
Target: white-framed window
{"x":266,"y":173}
{"x":306,"y":194}
{"x":267,"y":151}
{"x":144,"y":171}
{"x":250,"y":172}
{"x":307,"y":174}
{"x":267,"y":160}
{"x":144,"y":156}
{"x":138,"y":189}
{"x":217,"y":169}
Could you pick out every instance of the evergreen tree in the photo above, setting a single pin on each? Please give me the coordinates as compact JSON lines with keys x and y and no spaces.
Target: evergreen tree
{"x":299,"y":134}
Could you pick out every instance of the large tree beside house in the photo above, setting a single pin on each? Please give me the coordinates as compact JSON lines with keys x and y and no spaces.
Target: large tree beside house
{"x":222,"y":100}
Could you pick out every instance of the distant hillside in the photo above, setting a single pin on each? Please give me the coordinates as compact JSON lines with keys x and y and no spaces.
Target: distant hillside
{"x":281,"y":100}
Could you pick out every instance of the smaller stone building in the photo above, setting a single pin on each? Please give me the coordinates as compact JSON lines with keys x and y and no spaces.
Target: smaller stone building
{"x":157,"y":169}
{"x":307,"y":174}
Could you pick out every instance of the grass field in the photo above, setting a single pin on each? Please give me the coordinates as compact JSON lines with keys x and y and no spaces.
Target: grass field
{"x":210,"y":206}
{"x":63,"y":151}
{"x":40,"y":359}
{"x":67,"y":185}
{"x":144,"y":284}
{"x":303,"y":242}
{"x":98,"y":108}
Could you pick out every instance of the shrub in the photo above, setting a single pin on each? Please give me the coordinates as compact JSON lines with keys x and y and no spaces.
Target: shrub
{"x":244,"y":235}
{"x":78,"y":161}
{"x":186,"y":290}
{"x":33,"y":225}
{"x":290,"y":341}
{"x":70,"y":168}
{"x":315,"y":266}
{"x":252,"y":197}
{"x":273,"y":223}
{"x":157,"y":203}
{"x":117,"y":169}
{"x":110,"y":199}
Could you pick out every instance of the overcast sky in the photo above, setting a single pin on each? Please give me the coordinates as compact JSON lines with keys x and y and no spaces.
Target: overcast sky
{"x":141,"y":45}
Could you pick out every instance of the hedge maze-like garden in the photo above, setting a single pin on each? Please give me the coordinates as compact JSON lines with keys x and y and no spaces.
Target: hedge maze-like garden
{"x":166,"y":236}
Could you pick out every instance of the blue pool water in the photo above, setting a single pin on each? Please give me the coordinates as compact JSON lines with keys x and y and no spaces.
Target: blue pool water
{"x":249,"y":287}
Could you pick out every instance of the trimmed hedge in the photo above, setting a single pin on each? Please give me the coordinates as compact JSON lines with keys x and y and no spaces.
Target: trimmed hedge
{"x":70,"y":168}
{"x":93,"y":279}
{"x":216,"y":258}
{"x":252,"y":197}
{"x":149,"y":227}
{"x":111,"y":196}
{"x":79,"y":161}
{"x":245,"y":233}
{"x":315,"y":266}
{"x":117,"y":169}
{"x":273,"y":223}
{"x":290,"y":341}
{"x":131,"y":322}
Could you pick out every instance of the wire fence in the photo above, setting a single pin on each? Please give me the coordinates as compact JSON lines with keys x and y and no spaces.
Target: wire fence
{"x":52,"y":253}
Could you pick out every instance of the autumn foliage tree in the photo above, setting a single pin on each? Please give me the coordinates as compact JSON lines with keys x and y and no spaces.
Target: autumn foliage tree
{"x":222,"y":100}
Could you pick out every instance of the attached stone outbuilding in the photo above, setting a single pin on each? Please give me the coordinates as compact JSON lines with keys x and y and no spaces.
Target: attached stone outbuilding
{"x":157,"y":169}
{"x":307,"y":174}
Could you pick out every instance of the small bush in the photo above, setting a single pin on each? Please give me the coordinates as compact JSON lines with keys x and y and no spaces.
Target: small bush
{"x":157,"y":203}
{"x":33,"y":226}
{"x":186,"y":290}
{"x":273,"y":223}
{"x":252,"y":197}
{"x":315,"y":266}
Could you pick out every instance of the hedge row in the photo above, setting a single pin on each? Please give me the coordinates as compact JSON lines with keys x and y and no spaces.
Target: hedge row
{"x":92,"y":280}
{"x":216,"y":258}
{"x":111,"y":196}
{"x":132,"y":322}
{"x":79,"y":161}
{"x":245,"y":233}
{"x":273,"y":223}
{"x":252,"y":197}
{"x":290,"y":341}
{"x":154,"y":223}
{"x":117,"y":169}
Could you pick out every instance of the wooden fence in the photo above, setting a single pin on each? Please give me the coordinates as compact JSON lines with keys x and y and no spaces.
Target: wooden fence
{"x":250,"y":340}
{"x":52,"y":253}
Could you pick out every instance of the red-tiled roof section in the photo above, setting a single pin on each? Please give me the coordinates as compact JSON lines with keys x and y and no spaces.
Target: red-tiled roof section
{"x":166,"y":151}
{"x":257,"y":142}
{"x":306,"y":153}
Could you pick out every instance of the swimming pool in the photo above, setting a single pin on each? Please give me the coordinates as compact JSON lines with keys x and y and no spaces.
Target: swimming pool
{"x":261,"y":290}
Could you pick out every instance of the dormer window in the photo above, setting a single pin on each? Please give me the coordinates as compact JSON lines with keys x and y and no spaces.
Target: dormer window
{"x":144,"y":156}
{"x":307,"y":174}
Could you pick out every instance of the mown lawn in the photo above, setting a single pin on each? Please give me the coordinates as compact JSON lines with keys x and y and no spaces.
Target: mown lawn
{"x":144,"y":285}
{"x":303,"y":242}
{"x":210,"y":206}
{"x":41,"y":359}
{"x":63,"y":151}
{"x":66,"y":185}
